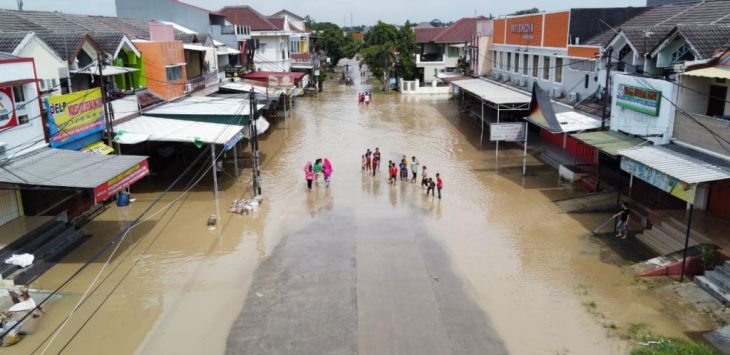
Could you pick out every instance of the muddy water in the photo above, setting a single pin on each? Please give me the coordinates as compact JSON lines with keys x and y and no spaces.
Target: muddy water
{"x":175,"y":286}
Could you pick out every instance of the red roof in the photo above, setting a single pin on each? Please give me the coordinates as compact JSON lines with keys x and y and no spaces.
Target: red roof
{"x":277,"y":21}
{"x":425,"y":35}
{"x":461,"y":31}
{"x":247,"y":16}
{"x":263,"y":76}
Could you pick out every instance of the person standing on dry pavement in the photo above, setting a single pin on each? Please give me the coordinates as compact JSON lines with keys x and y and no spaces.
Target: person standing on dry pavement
{"x":309,"y":174}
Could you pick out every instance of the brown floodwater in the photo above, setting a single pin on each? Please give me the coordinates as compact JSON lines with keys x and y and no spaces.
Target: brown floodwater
{"x":176,"y":286}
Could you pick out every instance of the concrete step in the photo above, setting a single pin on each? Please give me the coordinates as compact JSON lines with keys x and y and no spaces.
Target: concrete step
{"x":656,"y":242}
{"x":48,"y":255}
{"x":712,"y":289}
{"x":719,"y":279}
{"x":724,"y":269}
{"x":680,"y":228}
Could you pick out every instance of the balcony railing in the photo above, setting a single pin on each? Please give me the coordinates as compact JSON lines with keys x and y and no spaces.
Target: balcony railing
{"x":228,"y":30}
{"x":430,"y":57}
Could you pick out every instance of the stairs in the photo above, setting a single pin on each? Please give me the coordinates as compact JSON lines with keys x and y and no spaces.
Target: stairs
{"x":48,"y":244}
{"x":668,"y":236}
{"x":717,"y":282}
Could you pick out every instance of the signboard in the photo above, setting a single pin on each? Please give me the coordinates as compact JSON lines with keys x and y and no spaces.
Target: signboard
{"x":280,"y":81}
{"x":74,"y":116}
{"x":523,"y":28}
{"x":121,"y":181}
{"x":660,"y":180}
{"x":232,"y":142}
{"x":510,"y":132}
{"x":7,"y":108}
{"x":639,"y":99}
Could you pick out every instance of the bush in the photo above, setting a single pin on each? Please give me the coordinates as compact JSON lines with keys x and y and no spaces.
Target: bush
{"x":672,"y":346}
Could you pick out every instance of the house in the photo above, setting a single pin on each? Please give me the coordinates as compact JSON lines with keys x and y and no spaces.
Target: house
{"x":270,"y":48}
{"x":441,"y":49}
{"x":21,"y":125}
{"x":299,"y":38}
{"x":50,"y":67}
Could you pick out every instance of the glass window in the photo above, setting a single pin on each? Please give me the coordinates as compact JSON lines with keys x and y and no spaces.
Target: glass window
{"x":494,"y":59}
{"x":18,"y":94}
{"x":517,"y":62}
{"x":546,"y":68}
{"x":525,"y":60}
{"x":43,"y":84}
{"x":558,"y":70}
{"x":535,"y":64}
{"x":174,"y":73}
{"x":509,"y":61}
{"x":453,"y":52}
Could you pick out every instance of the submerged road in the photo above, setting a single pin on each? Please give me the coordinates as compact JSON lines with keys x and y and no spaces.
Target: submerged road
{"x":360,"y":267}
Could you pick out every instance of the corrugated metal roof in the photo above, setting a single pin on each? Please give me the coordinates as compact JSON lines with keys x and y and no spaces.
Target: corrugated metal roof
{"x":609,"y":142}
{"x":171,"y":130}
{"x":683,"y":164}
{"x":66,"y":168}
{"x":711,"y":72}
{"x":493,"y":93}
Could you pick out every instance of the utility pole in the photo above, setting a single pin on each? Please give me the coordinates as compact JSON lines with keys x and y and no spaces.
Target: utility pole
{"x":254,"y":140}
{"x":104,"y":100}
{"x":20,"y":5}
{"x":606,"y":93}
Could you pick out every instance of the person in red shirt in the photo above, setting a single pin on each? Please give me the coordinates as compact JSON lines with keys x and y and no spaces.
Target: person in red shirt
{"x":393,"y":172}
{"x":439,"y":184}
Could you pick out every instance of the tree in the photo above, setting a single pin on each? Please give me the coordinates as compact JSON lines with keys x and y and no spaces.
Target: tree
{"x":379,"y":47}
{"x":332,"y":40}
{"x":533,"y":10}
{"x":406,"y":50}
{"x":436,"y":23}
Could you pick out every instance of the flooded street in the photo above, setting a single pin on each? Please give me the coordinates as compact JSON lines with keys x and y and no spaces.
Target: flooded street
{"x":360,"y":267}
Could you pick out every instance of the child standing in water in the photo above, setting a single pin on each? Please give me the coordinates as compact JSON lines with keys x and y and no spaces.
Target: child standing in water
{"x":431,"y":187}
{"x":414,"y":168}
{"x":364,"y":162}
{"x":317,"y":170}
{"x":424,"y":177}
{"x":309,"y":174}
{"x":403,"y":170}
{"x":439,"y":184}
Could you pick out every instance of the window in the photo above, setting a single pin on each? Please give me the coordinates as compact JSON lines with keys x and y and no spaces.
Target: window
{"x":53,"y":83}
{"x":535,"y":64}
{"x":294,"y":46}
{"x":501,"y":59}
{"x":18,"y":94}
{"x":174,"y":73}
{"x":43,"y":84}
{"x":558,"y":70}
{"x":494,"y":59}
{"x":546,"y":68}
{"x":509,"y":61}
{"x":525,"y":60}
{"x":453,"y":52}
{"x":517,"y":63}
{"x":23,"y":119}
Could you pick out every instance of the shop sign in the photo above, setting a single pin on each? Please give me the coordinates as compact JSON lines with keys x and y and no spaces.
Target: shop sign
{"x":523,"y":28}
{"x":642,"y":100}
{"x":7,"y":109}
{"x":232,"y":142}
{"x":121,"y":181}
{"x":74,"y":116}
{"x":510,"y":132}
{"x":660,"y":180}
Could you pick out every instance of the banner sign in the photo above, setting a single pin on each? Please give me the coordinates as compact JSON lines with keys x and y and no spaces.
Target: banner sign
{"x":510,"y":132}
{"x":121,"y":181}
{"x":639,"y":99}
{"x":280,"y":81}
{"x":8,"y":117}
{"x":232,"y":142}
{"x":74,"y":116}
{"x":660,"y":180}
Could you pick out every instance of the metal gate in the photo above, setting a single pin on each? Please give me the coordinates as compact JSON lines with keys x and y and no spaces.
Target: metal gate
{"x":8,"y":206}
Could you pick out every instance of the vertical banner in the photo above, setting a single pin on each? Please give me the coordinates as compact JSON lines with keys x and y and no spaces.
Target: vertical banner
{"x":74,"y":116}
{"x":8,"y":117}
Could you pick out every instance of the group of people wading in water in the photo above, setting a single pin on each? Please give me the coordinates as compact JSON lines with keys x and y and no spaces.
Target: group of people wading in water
{"x":371,"y":162}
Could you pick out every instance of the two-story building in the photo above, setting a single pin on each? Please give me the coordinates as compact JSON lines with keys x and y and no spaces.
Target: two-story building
{"x":440,"y":50}
{"x":270,"y":37}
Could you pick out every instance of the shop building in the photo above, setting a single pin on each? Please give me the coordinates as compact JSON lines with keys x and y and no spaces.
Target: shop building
{"x":551,"y":49}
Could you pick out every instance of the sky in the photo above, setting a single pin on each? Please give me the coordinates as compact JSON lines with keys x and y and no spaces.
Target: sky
{"x":343,"y":11}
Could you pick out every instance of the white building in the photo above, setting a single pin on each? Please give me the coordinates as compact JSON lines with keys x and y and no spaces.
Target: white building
{"x":439,"y":49}
{"x":50,"y":68}
{"x":21,"y":126}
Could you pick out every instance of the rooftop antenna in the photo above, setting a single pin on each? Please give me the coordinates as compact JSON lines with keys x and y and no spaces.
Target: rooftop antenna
{"x":20,"y":5}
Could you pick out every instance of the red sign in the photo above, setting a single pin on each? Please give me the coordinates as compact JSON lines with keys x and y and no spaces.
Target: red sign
{"x":119,"y":182}
{"x":7,"y":108}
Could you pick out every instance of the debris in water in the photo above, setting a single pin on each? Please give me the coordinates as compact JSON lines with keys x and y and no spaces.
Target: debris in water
{"x":212,"y":219}
{"x":22,"y":260}
{"x":242,"y":206}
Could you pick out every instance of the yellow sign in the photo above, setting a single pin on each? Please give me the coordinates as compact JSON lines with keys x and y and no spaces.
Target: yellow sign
{"x":98,"y":147}
{"x":73,"y":116}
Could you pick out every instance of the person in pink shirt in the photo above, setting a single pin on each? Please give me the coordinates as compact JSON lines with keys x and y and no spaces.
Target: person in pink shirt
{"x":309,"y":174}
{"x":327,"y":171}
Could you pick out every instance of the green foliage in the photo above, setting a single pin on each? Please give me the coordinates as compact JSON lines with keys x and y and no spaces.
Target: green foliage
{"x":332,"y":40}
{"x":382,"y":34}
{"x":386,"y":44}
{"x":533,"y":10}
{"x":707,"y":256}
{"x":671,"y":346}
{"x":407,"y":49}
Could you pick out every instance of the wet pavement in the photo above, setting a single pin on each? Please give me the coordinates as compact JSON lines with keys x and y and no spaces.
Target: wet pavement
{"x":360,"y":267}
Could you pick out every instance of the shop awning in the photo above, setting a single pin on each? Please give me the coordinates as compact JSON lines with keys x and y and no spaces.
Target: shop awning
{"x":205,"y":109}
{"x":555,"y":117}
{"x":106,"y":174}
{"x":711,"y":72}
{"x":262,"y":125}
{"x":495,"y":95}
{"x":227,"y":51}
{"x":609,"y":142}
{"x":147,"y":128}
{"x":196,"y":47}
{"x":263,"y":76}
{"x":106,"y":70}
{"x":673,"y":169}
{"x":246,"y":88}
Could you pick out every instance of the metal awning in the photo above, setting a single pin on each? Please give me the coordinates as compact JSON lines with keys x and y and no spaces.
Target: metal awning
{"x":262,"y":125}
{"x":196,"y":47}
{"x":494,"y":95}
{"x":680,"y":163}
{"x":147,"y":128}
{"x":711,"y":72}
{"x":106,"y":174}
{"x":206,"y":109}
{"x":246,"y":88}
{"x":106,"y":70}
{"x":569,"y":121}
{"x":609,"y":142}
{"x":227,"y":51}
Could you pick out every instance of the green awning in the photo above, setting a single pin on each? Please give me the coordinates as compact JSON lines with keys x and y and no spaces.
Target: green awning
{"x":609,"y":142}
{"x":219,"y":110}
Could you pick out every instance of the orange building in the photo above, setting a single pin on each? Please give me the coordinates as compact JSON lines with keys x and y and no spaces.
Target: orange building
{"x":164,"y":63}
{"x":547,"y":48}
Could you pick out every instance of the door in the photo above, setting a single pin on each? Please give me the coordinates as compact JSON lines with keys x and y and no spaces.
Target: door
{"x":716,"y":102}
{"x":720,"y":199}
{"x":8,"y":206}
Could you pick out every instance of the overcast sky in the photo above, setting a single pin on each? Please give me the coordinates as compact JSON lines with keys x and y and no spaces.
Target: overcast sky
{"x":340,"y":11}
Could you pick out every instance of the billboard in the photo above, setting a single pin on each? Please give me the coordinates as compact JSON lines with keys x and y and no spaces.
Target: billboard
{"x":510,"y":132}
{"x":639,"y":99}
{"x":7,"y":108}
{"x":121,"y":181}
{"x":74,"y":116}
{"x":658,"y":179}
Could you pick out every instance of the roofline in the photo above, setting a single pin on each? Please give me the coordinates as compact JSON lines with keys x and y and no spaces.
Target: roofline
{"x":128,"y":41}
{"x":17,"y":60}
{"x":42,"y":43}
{"x":621,"y":33}
{"x":24,"y":42}
{"x":670,"y":36}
